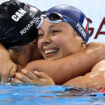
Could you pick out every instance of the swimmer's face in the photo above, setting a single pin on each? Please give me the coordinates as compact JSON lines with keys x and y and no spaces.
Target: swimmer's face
{"x":58,"y":40}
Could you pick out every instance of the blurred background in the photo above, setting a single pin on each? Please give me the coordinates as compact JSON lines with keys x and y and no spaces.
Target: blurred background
{"x":93,"y":9}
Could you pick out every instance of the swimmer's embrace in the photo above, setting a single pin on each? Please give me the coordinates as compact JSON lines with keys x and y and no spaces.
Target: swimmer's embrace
{"x":74,"y":56}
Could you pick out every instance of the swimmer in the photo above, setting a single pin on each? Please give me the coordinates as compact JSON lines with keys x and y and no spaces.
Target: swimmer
{"x":18,"y":34}
{"x":63,"y":32}
{"x":65,"y":68}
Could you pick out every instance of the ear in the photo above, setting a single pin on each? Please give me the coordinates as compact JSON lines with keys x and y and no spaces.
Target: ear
{"x":83,"y":45}
{"x":33,"y":43}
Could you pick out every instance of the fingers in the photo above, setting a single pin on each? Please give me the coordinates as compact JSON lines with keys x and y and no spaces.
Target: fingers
{"x":29,"y":74}
{"x":34,"y":78}
{"x":44,"y":78}
{"x":13,"y":70}
{"x":23,"y":78}
{"x":42,"y":75}
{"x":15,"y":80}
{"x":26,"y":76}
{"x":5,"y":74}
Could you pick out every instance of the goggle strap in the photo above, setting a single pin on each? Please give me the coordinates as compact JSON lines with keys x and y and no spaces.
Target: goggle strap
{"x":41,"y":21}
{"x":57,"y":21}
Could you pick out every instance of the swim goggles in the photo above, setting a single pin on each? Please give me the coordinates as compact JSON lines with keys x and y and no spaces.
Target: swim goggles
{"x":52,"y":17}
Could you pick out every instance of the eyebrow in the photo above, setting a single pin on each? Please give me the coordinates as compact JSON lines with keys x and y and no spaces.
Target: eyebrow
{"x":48,"y":27}
{"x":51,"y":26}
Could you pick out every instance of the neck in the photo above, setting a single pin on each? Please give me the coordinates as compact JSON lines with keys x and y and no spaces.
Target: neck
{"x":36,"y":55}
{"x":20,"y":57}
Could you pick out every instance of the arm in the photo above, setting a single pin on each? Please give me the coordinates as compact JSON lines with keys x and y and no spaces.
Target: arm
{"x":7,"y":67}
{"x":94,"y":79}
{"x":72,"y":66}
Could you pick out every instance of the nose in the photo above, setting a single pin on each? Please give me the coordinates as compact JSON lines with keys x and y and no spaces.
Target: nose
{"x":46,"y":40}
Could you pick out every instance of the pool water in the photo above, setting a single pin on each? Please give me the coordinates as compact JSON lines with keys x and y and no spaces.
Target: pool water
{"x":24,"y":94}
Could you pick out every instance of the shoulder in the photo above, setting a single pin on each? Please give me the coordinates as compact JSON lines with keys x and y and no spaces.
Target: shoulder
{"x":96,"y":44}
{"x":100,"y":66}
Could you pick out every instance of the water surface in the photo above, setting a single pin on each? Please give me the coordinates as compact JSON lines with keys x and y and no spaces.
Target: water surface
{"x":19,"y":94}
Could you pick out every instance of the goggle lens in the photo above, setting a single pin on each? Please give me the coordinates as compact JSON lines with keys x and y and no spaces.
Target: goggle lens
{"x":52,"y":17}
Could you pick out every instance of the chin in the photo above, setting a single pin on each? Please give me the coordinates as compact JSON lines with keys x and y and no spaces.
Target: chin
{"x":53,"y":58}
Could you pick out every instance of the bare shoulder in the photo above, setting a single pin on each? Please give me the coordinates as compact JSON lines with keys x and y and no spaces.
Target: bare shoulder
{"x":100,"y":66}
{"x":96,"y":44}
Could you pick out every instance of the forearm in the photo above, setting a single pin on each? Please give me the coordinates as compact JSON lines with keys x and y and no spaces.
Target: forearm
{"x":3,"y":52}
{"x":69,"y":67}
{"x":64,"y":69}
{"x":94,"y":79}
{"x":7,"y":66}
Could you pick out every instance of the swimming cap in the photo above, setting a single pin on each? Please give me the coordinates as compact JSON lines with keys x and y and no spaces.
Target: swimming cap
{"x":75,"y":17}
{"x":18,"y":23}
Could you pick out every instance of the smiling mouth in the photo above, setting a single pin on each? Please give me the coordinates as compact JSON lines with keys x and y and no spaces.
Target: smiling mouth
{"x":51,"y":52}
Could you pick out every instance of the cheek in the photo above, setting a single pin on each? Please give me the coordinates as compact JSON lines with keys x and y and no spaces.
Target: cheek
{"x":39,"y":44}
{"x":66,"y":44}
{"x":58,"y":40}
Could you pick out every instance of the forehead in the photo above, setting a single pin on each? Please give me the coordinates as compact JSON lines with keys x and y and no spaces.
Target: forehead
{"x":47,"y":24}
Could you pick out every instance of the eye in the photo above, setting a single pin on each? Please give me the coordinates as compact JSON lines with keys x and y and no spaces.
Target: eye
{"x":56,"y":31}
{"x":40,"y":35}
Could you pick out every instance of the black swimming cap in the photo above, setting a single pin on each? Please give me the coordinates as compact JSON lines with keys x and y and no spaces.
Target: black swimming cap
{"x":18,"y":23}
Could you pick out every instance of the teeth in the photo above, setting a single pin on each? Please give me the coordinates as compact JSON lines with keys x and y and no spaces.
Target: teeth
{"x":50,"y":51}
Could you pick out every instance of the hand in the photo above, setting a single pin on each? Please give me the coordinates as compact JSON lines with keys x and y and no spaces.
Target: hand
{"x":7,"y":69}
{"x":7,"y":66}
{"x":34,"y":78}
